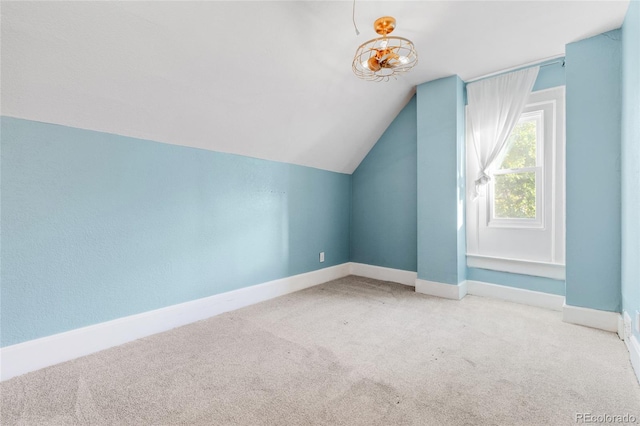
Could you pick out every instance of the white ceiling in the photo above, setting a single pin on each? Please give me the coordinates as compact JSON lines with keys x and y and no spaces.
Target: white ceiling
{"x":264,"y":79}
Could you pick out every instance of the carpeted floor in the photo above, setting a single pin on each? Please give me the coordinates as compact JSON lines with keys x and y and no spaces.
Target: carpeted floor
{"x":354,"y":351}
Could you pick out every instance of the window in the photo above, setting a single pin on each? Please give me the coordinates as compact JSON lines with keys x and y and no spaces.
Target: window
{"x":517,"y":225}
{"x":516,"y":184}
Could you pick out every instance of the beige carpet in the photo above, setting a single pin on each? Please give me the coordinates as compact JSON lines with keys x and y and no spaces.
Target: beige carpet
{"x":354,"y":351}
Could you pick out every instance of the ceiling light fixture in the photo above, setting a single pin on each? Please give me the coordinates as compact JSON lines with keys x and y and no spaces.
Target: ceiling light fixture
{"x":384,"y":57}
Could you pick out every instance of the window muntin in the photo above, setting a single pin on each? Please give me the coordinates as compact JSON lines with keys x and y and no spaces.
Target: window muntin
{"x":515,"y":193}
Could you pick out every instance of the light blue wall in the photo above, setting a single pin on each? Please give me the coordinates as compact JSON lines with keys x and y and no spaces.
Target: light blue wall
{"x":550,"y":75}
{"x":593,"y":172}
{"x":441,"y":249}
{"x":384,"y":198}
{"x":97,"y":226}
{"x":527,"y":282}
{"x":383,"y":215}
{"x":631,"y":160}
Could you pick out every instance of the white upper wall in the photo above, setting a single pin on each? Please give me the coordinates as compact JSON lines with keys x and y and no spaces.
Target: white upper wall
{"x":271,"y":80}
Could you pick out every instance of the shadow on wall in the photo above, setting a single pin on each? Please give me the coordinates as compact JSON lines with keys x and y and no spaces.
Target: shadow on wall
{"x":384,"y":198}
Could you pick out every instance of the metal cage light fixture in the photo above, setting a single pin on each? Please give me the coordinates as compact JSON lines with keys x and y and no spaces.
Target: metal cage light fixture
{"x":384,"y":57}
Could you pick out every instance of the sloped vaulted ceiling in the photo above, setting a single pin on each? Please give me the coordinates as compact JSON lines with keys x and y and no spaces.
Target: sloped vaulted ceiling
{"x":271,"y":80}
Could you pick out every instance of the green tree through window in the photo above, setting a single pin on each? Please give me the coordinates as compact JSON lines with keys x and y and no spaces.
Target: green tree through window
{"x":515,"y":188}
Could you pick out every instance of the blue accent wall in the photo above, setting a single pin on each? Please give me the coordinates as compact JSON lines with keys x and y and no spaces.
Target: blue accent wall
{"x":383,"y":215}
{"x":631,"y":161}
{"x":97,"y":226}
{"x":593,"y":172}
{"x":441,"y":249}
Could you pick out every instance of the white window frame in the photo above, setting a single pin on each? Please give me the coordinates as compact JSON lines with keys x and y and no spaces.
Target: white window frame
{"x":538,"y":169}
{"x":531,"y":247}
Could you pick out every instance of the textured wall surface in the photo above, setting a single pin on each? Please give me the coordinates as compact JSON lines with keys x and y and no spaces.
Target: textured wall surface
{"x":631,"y":160}
{"x":97,"y":226}
{"x":441,"y":249}
{"x":383,"y":221}
{"x":593,"y":172}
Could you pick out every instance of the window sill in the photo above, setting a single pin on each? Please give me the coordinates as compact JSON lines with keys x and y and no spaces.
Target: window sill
{"x":517,"y":266}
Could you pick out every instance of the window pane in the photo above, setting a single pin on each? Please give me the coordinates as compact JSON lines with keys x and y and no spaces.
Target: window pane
{"x":515,"y":196}
{"x":521,"y":146}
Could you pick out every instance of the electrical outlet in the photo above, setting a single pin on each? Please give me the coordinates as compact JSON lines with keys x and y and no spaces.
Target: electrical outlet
{"x":321,"y":256}
{"x":627,"y":326}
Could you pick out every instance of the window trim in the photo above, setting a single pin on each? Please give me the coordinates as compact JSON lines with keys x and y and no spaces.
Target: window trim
{"x":554,"y":267}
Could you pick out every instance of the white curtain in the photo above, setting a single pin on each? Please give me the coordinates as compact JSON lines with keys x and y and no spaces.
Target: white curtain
{"x":495,"y":105}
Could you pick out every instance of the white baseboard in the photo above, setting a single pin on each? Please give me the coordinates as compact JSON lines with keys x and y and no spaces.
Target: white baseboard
{"x":630,"y":341}
{"x":383,"y":274}
{"x":516,"y":295}
{"x":447,"y":291}
{"x":634,"y":353}
{"x":39,"y":353}
{"x":603,"y":320}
